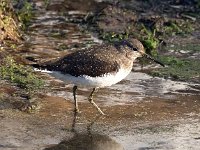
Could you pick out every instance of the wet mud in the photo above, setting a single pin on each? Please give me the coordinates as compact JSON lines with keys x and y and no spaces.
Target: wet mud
{"x":142,"y":112}
{"x":134,"y":119}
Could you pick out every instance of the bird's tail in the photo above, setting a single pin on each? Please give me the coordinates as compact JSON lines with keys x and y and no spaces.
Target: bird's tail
{"x":39,"y":66}
{"x":43,"y":65}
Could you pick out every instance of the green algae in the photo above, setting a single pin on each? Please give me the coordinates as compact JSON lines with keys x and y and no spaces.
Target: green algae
{"x":23,"y":76}
{"x":179,"y":69}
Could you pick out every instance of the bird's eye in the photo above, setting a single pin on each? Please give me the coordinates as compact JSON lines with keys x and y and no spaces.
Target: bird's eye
{"x":135,"y":49}
{"x":128,"y":44}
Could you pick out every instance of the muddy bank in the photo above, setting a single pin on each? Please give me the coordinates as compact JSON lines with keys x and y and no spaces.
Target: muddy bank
{"x":138,"y":117}
{"x":131,"y":126}
{"x":143,"y":112}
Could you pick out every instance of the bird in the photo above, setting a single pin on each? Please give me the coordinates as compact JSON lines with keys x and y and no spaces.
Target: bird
{"x":96,"y":67}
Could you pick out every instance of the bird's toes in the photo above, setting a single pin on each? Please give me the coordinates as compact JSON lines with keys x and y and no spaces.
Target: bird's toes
{"x":76,"y":110}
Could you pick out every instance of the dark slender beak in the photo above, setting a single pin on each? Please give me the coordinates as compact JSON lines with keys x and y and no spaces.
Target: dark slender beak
{"x":143,"y":53}
{"x":154,"y":60}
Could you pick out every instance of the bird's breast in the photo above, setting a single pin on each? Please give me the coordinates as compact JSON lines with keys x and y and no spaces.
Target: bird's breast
{"x":104,"y":80}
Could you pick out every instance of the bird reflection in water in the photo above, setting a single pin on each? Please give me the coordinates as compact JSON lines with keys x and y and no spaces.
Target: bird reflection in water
{"x":87,"y":141}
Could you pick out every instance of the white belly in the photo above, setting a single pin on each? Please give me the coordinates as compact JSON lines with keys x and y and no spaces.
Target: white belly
{"x":85,"y":80}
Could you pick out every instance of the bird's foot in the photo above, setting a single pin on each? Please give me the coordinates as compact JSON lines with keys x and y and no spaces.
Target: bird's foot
{"x":101,"y":112}
{"x":76,"y":110}
{"x":95,"y":105}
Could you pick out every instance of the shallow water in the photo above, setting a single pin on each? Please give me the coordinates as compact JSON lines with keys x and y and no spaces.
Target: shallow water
{"x":136,"y":87}
{"x":143,"y":112}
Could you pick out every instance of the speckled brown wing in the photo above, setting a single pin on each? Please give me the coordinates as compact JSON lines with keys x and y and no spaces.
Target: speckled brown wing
{"x":85,"y":62}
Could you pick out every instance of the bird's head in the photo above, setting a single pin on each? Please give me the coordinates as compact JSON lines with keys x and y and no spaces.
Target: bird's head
{"x":137,"y":50}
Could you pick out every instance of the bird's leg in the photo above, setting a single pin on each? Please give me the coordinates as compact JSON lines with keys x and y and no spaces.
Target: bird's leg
{"x":74,"y":122}
{"x":90,"y":98}
{"x":75,"y":100}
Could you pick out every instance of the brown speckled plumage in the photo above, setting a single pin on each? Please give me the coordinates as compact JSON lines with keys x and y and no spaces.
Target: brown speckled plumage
{"x":98,"y":60}
{"x":98,"y":66}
